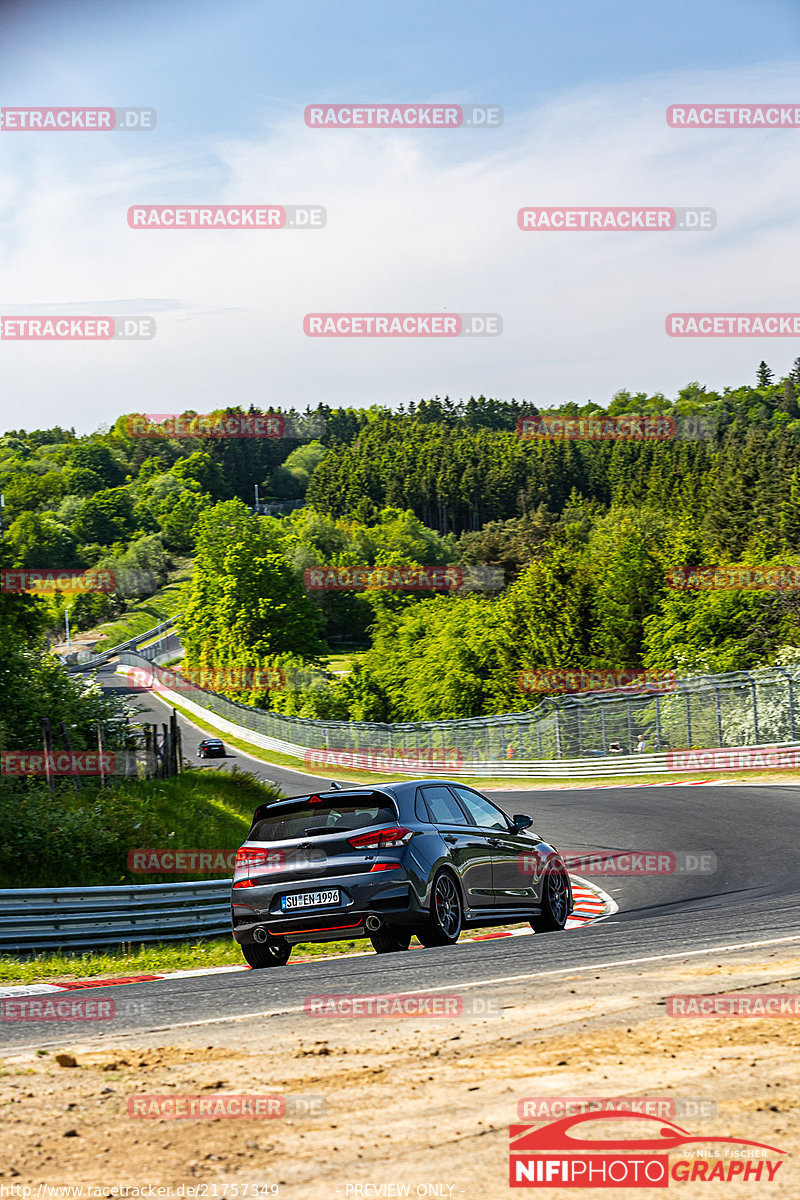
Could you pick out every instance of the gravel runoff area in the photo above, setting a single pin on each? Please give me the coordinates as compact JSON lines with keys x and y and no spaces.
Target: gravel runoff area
{"x":405,"y":1106}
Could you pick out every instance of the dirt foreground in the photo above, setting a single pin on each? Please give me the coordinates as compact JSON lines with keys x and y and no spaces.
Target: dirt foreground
{"x":410,"y":1106}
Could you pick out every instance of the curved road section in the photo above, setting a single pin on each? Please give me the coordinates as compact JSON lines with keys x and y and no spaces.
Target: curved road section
{"x":695,"y":873}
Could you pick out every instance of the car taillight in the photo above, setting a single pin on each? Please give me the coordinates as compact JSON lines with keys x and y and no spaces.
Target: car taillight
{"x":237,"y":883}
{"x":380,"y":839}
{"x":247,"y":857}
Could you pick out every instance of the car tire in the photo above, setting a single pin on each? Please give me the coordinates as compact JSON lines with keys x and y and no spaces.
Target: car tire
{"x":274,"y":953}
{"x":555,"y":899}
{"x":447,"y":913}
{"x":390,"y":940}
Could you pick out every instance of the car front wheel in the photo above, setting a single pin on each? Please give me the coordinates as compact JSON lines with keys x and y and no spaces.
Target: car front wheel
{"x":274,"y":953}
{"x":555,"y":899}
{"x":447,"y":915}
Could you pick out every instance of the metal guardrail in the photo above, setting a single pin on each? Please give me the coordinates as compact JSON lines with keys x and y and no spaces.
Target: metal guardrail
{"x":49,"y":918}
{"x":599,"y":767}
{"x":396,"y":757}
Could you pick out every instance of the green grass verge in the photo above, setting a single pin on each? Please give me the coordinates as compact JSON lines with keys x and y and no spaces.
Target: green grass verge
{"x":343,"y":661}
{"x":157,"y":959}
{"x":143,"y":615}
{"x":82,"y":838}
{"x":163,"y":957}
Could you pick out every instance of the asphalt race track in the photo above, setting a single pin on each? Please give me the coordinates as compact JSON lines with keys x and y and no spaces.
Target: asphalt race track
{"x":751,"y":899}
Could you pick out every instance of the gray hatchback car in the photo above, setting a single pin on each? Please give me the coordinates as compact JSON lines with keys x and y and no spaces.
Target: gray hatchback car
{"x":425,"y":857}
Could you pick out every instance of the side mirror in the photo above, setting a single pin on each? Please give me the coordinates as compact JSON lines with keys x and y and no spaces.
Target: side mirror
{"x":521,"y":822}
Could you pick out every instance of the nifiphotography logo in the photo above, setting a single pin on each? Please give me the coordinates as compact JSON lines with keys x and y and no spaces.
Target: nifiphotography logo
{"x":565,"y":1154}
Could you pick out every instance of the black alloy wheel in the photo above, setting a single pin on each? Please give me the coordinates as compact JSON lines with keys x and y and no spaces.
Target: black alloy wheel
{"x":555,"y":899}
{"x":447,"y":914}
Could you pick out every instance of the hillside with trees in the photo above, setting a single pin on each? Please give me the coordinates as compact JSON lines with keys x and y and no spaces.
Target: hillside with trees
{"x":130,"y":504}
{"x":580,"y":534}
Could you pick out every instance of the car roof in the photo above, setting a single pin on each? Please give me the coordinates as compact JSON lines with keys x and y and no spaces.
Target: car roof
{"x":403,"y":791}
{"x":399,"y":789}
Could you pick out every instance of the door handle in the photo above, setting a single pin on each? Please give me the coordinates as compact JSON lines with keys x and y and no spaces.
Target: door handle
{"x":449,"y":837}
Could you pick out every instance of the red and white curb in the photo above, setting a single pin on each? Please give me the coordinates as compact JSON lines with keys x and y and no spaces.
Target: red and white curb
{"x":591,"y":904}
{"x":74,"y":985}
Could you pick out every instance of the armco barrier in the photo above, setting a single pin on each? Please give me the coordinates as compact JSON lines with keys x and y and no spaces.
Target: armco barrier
{"x":319,"y":761}
{"x":49,"y":918}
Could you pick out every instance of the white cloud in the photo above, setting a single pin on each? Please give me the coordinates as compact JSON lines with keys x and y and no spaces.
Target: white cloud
{"x":416,"y":222}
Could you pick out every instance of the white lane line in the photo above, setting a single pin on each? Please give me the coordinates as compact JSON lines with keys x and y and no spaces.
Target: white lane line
{"x":28,"y":989}
{"x":454,"y":987}
{"x":196,"y":971}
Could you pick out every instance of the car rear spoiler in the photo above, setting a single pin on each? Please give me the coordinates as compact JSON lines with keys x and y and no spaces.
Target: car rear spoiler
{"x":272,"y":806}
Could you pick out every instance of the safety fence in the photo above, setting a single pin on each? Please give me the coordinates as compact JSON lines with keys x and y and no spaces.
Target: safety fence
{"x":48,"y":918}
{"x":590,"y":735}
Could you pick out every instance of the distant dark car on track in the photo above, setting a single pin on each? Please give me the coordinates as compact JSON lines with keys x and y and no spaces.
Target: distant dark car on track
{"x":425,"y":857}
{"x":211,"y":748}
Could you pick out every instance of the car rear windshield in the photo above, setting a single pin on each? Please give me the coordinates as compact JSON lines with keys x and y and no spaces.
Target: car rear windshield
{"x":328,"y":815}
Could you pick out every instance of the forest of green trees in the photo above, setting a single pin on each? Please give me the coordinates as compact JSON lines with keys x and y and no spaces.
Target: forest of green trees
{"x":581,"y":536}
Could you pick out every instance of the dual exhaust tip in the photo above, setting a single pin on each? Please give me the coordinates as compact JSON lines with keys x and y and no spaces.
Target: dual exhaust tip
{"x":372,"y":923}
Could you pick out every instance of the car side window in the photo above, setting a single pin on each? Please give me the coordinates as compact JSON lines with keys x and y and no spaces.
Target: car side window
{"x":420,"y":811}
{"x":443,"y":806}
{"x":482,"y":811}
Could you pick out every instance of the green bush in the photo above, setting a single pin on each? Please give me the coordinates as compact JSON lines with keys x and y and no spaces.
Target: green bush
{"x":82,"y":838}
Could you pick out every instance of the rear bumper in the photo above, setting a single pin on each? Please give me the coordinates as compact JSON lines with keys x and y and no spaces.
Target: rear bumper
{"x":393,"y":901}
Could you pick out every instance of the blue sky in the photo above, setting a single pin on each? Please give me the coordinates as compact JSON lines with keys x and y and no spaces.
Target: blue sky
{"x":416,"y":221}
{"x":218,"y":67}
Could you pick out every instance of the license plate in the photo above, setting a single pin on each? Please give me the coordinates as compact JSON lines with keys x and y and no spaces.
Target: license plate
{"x":310,"y":899}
